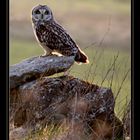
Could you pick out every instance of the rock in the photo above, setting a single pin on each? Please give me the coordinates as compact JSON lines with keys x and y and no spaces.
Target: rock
{"x":35,"y":67}
{"x":86,"y":107}
{"x":38,"y":103}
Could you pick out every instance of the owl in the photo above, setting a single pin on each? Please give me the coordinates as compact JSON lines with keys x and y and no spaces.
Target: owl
{"x":52,"y":37}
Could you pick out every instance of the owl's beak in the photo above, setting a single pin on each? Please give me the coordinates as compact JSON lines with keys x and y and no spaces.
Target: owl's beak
{"x":41,"y":16}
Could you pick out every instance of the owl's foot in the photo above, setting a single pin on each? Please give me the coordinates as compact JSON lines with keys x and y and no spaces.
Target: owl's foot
{"x":45,"y":55}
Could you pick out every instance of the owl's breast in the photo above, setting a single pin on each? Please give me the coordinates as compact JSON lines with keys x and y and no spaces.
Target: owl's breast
{"x":41,"y":33}
{"x":45,"y":38}
{"x":56,"y":39}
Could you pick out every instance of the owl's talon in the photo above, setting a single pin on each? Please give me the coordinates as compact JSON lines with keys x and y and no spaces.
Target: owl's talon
{"x":42,"y":56}
{"x":45,"y":55}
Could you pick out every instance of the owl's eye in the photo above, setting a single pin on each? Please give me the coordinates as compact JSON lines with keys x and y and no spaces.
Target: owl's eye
{"x":46,"y":12}
{"x":37,"y":12}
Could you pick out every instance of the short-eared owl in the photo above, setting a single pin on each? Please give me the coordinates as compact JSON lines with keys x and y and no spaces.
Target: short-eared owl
{"x":52,"y":37}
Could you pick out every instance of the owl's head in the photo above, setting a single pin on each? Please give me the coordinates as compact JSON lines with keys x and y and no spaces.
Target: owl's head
{"x":41,"y":14}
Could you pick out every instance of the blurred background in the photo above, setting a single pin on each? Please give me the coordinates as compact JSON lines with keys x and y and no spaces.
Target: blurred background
{"x":101,"y":28}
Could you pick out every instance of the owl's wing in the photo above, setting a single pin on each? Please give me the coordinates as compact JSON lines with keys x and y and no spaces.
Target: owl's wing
{"x":64,"y":42}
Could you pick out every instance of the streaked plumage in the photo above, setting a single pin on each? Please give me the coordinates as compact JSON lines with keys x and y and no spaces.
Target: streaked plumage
{"x":53,"y":37}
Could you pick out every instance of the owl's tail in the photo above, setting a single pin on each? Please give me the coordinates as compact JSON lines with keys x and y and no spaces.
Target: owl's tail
{"x":81,"y":57}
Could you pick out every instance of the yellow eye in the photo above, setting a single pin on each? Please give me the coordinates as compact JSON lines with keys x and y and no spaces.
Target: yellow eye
{"x":46,"y":12}
{"x":37,"y":12}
